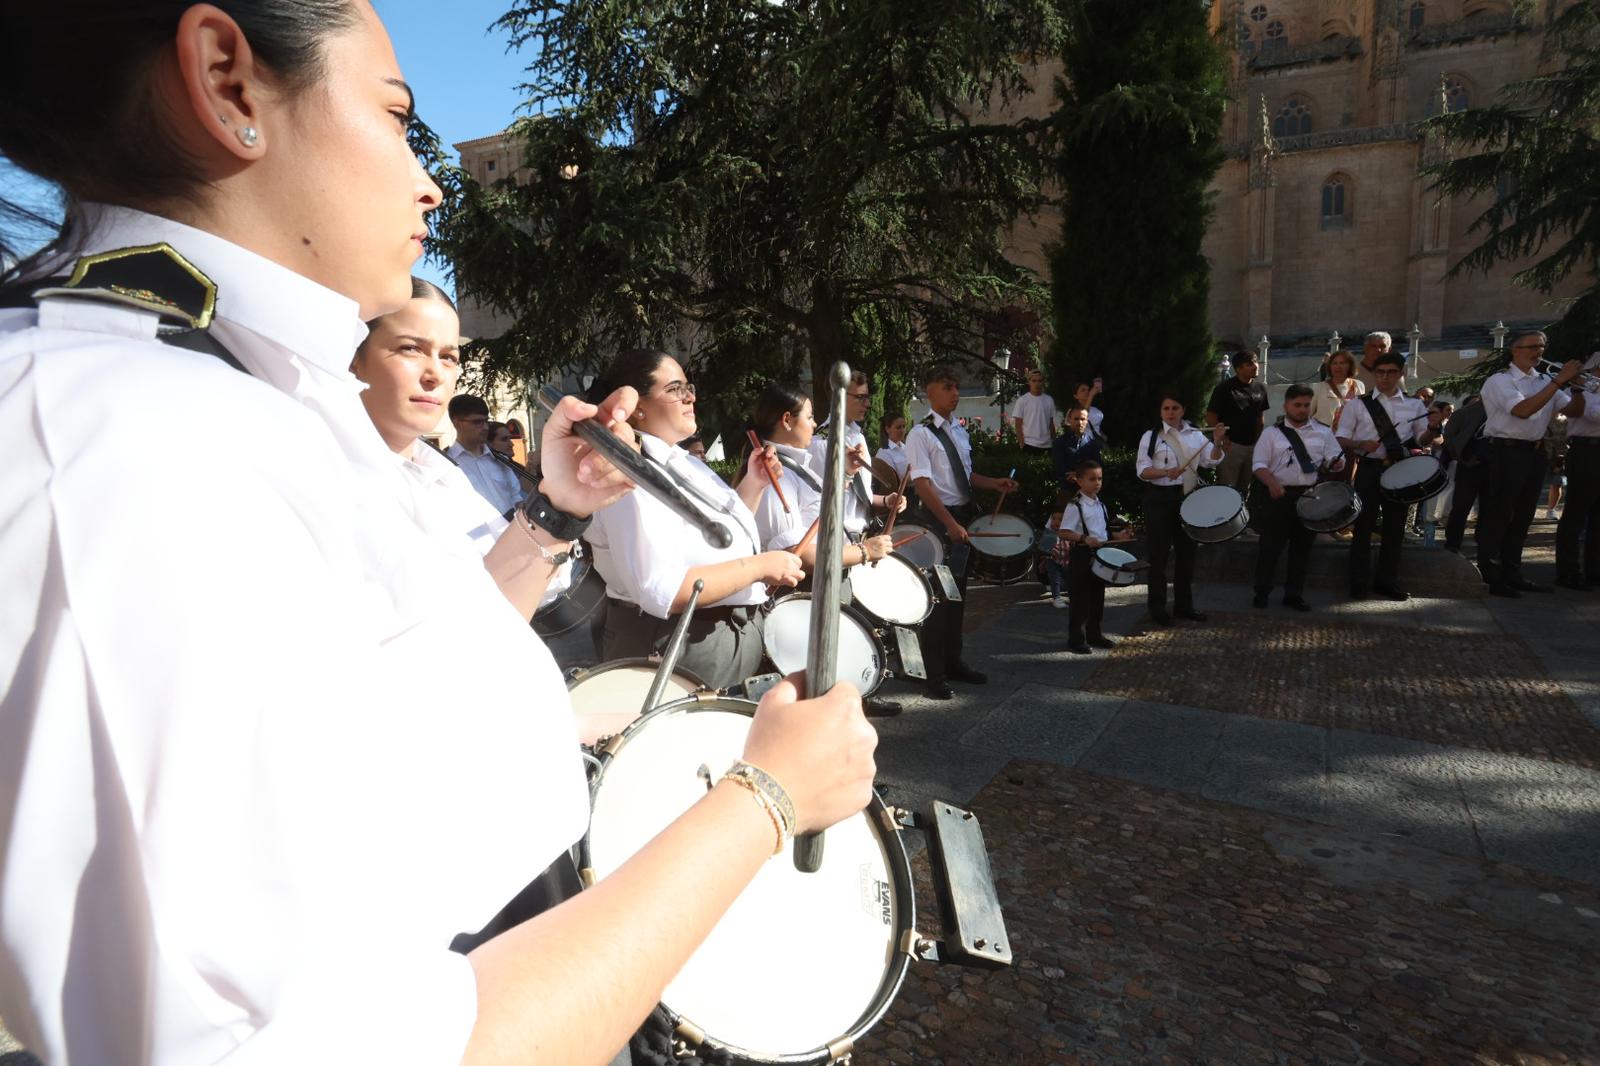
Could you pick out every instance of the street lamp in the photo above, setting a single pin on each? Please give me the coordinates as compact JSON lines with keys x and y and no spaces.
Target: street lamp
{"x":1499,"y":334}
{"x":1334,"y":341}
{"x":1263,"y":346}
{"x":1413,"y":338}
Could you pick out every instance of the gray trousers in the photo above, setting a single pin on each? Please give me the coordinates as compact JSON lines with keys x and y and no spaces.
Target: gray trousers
{"x":723,"y":646}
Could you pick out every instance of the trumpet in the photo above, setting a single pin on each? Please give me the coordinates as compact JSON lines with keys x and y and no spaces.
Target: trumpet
{"x":1587,"y":380}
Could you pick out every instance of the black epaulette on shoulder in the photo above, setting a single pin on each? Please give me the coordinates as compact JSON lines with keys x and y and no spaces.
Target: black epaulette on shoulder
{"x":927,"y":420}
{"x":150,"y":277}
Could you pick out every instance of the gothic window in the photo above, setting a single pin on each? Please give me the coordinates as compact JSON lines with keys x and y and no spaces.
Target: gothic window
{"x":1336,"y":202}
{"x":1455,"y":92}
{"x":491,"y":166}
{"x":1419,"y":14}
{"x":1293,"y":120}
{"x":1258,"y":13}
{"x":1276,"y":36}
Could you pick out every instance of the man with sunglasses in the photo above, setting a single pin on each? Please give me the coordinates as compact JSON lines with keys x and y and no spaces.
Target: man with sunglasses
{"x":1518,"y":404}
{"x":1378,"y":430}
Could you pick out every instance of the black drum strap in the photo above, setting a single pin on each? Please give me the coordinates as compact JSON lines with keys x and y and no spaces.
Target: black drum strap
{"x":1384,"y":425}
{"x":1298,"y":446}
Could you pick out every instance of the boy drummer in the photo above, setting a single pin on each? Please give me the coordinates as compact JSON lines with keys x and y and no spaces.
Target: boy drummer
{"x":1288,"y":459}
{"x":1085,"y":524}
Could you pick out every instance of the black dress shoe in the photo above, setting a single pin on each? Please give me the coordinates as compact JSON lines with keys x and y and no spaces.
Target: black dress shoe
{"x":1522,"y":584}
{"x":1102,"y":641}
{"x":1258,"y":600}
{"x":1191,"y":614}
{"x":881,"y":708}
{"x":1297,"y":602}
{"x":966,"y":674}
{"x":1161,"y":618}
{"x":938,"y":690}
{"x":1080,"y":648}
{"x":1393,"y":594}
{"x":1501,"y":589}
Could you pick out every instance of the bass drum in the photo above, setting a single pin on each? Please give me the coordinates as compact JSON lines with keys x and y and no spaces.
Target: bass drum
{"x":581,"y":601}
{"x":606,"y":698}
{"x":1002,"y":552}
{"x":802,"y":962}
{"x":787,"y":637}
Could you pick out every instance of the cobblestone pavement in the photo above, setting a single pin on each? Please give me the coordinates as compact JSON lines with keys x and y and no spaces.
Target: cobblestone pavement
{"x":1472,"y":690}
{"x":1152,"y":927}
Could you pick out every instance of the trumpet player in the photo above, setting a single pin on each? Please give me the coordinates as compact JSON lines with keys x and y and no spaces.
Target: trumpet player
{"x":1518,"y":403}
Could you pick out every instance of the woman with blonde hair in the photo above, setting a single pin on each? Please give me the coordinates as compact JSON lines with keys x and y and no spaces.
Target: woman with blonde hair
{"x":1340,"y":388}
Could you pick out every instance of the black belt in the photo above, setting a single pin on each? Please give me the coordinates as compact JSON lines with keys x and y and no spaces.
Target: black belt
{"x":1516,"y":442}
{"x":1573,"y":442}
{"x":1163,"y":488}
{"x":722,"y":613}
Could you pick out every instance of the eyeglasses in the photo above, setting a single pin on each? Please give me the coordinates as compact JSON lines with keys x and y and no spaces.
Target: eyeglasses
{"x":1531,"y":347}
{"x":1386,"y":370}
{"x":866,"y":395}
{"x":681,"y":391}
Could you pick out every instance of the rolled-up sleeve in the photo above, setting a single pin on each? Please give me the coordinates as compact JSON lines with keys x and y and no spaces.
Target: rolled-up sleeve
{"x":919,"y":452}
{"x":1141,"y":455}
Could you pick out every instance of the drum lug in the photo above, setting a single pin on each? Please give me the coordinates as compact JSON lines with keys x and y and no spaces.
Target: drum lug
{"x":586,"y":875}
{"x":687,"y":1039}
{"x":839,"y":1051}
{"x":895,"y":819}
{"x":917,"y":946}
{"x":610,"y":745}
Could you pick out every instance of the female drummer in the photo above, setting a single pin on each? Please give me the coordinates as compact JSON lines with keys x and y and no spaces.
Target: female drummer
{"x":783,"y":419}
{"x":289,"y":782}
{"x":651,"y":558}
{"x":893,"y":452}
{"x":1168,"y":461}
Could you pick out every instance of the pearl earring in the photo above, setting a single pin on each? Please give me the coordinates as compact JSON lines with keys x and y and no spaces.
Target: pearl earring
{"x":248,"y":136}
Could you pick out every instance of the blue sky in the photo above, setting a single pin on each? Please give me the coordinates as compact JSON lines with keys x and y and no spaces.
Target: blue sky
{"x":464,"y":78}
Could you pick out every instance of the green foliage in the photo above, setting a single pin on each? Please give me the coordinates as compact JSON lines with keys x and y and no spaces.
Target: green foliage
{"x":1039,"y":493}
{"x":758,"y":183}
{"x":1140,"y":128}
{"x":1535,"y":153}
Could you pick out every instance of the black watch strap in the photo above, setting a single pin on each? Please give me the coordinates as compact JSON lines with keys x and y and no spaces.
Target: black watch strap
{"x":560,"y":525}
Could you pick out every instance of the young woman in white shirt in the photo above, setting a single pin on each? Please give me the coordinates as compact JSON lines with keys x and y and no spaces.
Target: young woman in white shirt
{"x":651,"y":558}
{"x":243,"y":832}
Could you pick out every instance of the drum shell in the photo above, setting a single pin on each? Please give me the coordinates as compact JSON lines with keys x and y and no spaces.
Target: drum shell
{"x":1336,"y":520}
{"x":1113,"y":574}
{"x":1214,"y":533}
{"x":902,"y":903}
{"x":851,"y":622}
{"x":575,"y":606}
{"x":1002,"y":561}
{"x":926,"y":551}
{"x":910,"y":614}
{"x":1412,"y":490}
{"x":593,"y":724}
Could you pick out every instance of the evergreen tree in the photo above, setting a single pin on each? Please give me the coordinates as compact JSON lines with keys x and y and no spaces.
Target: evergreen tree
{"x":1140,"y":127}
{"x":1536,"y":153}
{"x":761,"y":185}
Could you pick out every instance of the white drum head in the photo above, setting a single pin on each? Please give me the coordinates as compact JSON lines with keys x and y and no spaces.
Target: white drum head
{"x":1211,"y":506}
{"x":1115,"y":558}
{"x":1409,"y":472}
{"x":787,"y":636}
{"x":893,"y":589}
{"x":1019,"y":538}
{"x":799,"y":958}
{"x":610,"y":696}
{"x":919,"y":544}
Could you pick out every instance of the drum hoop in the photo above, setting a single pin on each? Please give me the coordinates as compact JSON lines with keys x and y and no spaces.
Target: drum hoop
{"x":898,"y":863}
{"x":918,"y":573}
{"x":617,"y":664}
{"x":1226,"y":519}
{"x":982,"y":524}
{"x":1121,"y":564}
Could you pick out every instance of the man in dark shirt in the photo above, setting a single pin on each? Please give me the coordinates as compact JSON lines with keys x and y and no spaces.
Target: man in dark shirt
{"x":1073,"y":447}
{"x":1240,"y":403}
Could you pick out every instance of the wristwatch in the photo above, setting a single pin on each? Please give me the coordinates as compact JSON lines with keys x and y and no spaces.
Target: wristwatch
{"x":541,"y":512}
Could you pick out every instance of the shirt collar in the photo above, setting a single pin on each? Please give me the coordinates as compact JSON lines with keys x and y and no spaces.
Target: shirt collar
{"x":268,"y":299}
{"x":941,"y":421}
{"x":1518,"y":373}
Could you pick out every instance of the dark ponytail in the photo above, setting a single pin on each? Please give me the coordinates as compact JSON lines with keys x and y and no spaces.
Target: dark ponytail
{"x":636,"y":369}
{"x":775,"y":401}
{"x":81,"y":109}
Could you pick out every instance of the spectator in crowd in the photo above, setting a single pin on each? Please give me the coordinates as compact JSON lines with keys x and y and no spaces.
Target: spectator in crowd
{"x":694,"y":446}
{"x":1073,"y":447}
{"x":494,"y":481}
{"x":1055,"y":563}
{"x":500,"y":439}
{"x":1033,"y":416}
{"x":1240,"y":403}
{"x":1339,"y":389}
{"x":1084,"y":396}
{"x":1425,"y":394}
{"x":1432,"y":438}
{"x":1377,"y":343}
{"x":1463,"y":443}
{"x":1555,"y":447}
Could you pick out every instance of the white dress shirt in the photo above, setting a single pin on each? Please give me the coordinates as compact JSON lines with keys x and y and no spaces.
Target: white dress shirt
{"x":495,"y":481}
{"x":894,"y":453}
{"x":1038,"y":414}
{"x":1274,"y":454}
{"x":1097,"y":419}
{"x":1090,"y":520}
{"x":930,"y":460}
{"x":779,"y":530}
{"x":1328,"y":399}
{"x":252,"y":787}
{"x":856,"y":513}
{"x":1190,"y":440}
{"x":1409,"y":415}
{"x":644,"y":549}
{"x":1510,"y":387}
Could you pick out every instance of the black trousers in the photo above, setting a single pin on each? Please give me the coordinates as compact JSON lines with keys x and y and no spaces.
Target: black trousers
{"x":941,"y":633}
{"x":1376,"y":506}
{"x":1166,"y":534}
{"x":1516,"y":483}
{"x":1469,"y":489}
{"x":1279,"y":525}
{"x":1578,"y":532}
{"x":1088,"y":606}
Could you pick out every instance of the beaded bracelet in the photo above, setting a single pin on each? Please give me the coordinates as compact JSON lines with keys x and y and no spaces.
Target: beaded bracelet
{"x":771,"y":795}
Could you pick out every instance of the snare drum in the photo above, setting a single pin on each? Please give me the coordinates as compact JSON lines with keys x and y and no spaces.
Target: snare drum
{"x":802,"y":961}
{"x":919,"y":543}
{"x":1413,"y":479}
{"x":1213,"y":514}
{"x":892,"y":591}
{"x":1328,"y":506}
{"x":1114,"y":566}
{"x":609,"y":696}
{"x":787,"y":638}
{"x":1006,"y":558}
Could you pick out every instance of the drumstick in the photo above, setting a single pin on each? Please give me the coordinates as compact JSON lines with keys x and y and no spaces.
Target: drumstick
{"x":907,"y":540}
{"x":755,"y":442}
{"x":1001,"y":501}
{"x":970,"y":533}
{"x":674,"y":650}
{"x":805,"y":541}
{"x":888,"y":527}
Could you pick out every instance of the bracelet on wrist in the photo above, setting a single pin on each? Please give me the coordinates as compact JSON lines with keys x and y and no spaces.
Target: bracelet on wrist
{"x":573,"y":550}
{"x":772,"y":796}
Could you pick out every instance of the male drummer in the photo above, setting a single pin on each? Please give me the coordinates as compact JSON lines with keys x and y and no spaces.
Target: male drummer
{"x":1378,"y":430}
{"x":941,"y":472}
{"x":1288,"y":459}
{"x":1085,"y":524}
